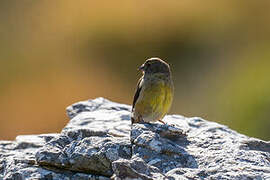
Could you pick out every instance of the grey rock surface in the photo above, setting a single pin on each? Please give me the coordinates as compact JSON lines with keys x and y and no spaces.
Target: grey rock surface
{"x":100,"y":143}
{"x":17,"y":160}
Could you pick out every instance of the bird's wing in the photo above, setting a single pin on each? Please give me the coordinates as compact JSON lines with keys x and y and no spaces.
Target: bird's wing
{"x":137,"y":93}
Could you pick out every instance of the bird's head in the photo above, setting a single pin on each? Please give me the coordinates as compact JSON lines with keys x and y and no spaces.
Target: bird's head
{"x":155,"y":65}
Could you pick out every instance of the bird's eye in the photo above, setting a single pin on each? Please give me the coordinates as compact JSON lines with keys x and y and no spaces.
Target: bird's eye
{"x":147,"y":64}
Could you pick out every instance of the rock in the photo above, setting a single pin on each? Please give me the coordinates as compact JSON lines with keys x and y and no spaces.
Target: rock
{"x":90,"y":154}
{"x":17,"y":160}
{"x":136,"y":168}
{"x":97,"y":135}
{"x":100,"y":143}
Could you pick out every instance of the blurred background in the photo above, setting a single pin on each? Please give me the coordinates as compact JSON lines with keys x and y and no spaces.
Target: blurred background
{"x":55,"y":53}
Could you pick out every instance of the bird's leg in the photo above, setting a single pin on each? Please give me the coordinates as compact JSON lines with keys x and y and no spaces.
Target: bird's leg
{"x":140,"y":119}
{"x":161,"y":121}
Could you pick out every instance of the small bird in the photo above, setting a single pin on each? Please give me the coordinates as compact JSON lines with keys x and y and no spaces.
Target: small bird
{"x":154,"y":93}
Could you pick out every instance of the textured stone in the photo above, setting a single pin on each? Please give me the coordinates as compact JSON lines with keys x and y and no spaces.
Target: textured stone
{"x":162,"y":146}
{"x":17,"y":161}
{"x":90,"y":154}
{"x":100,"y":143}
{"x":97,"y":135}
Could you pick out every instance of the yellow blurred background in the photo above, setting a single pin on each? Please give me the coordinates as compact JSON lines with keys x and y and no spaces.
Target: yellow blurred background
{"x":55,"y":53}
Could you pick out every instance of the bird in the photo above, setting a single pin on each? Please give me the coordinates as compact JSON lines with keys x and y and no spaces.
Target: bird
{"x":154,"y":93}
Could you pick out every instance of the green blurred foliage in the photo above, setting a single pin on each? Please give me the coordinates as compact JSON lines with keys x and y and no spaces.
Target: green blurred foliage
{"x":53,"y":54}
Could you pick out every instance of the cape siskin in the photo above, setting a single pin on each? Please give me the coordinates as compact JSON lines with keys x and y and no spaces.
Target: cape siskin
{"x":154,"y":93}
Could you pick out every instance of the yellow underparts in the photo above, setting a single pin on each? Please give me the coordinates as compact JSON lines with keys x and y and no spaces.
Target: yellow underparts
{"x":155,"y":101}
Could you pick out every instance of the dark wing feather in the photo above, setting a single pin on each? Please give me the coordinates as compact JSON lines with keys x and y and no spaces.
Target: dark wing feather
{"x":137,"y":93}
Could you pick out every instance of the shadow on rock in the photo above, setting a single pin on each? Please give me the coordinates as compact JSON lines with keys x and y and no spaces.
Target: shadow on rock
{"x":156,"y":149}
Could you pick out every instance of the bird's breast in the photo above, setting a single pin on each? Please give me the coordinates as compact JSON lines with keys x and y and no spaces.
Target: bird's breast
{"x":155,"y":98}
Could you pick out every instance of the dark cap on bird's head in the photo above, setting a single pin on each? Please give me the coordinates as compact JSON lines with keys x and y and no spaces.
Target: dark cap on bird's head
{"x":155,"y":65}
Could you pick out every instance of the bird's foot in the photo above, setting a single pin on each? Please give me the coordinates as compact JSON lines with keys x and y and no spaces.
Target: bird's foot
{"x":162,"y":121}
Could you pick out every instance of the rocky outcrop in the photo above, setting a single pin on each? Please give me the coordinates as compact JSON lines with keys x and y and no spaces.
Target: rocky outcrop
{"x":100,"y":143}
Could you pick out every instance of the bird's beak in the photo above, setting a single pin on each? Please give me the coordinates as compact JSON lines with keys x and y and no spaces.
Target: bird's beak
{"x":141,"y":68}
